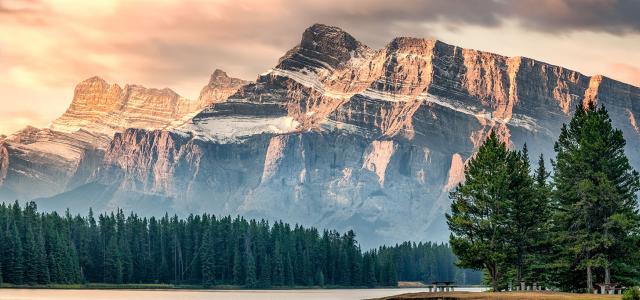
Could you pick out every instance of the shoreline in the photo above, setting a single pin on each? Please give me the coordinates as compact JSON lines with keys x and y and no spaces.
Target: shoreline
{"x":186,"y":287}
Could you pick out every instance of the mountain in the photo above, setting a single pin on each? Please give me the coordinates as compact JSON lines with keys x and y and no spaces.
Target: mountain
{"x":44,"y":162}
{"x":336,"y":135}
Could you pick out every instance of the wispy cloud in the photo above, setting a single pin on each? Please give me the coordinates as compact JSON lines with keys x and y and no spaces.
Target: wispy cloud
{"x":11,"y":121}
{"x":627,"y":73}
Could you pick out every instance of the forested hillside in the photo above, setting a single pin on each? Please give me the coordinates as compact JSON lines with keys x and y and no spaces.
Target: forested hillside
{"x":43,"y":248}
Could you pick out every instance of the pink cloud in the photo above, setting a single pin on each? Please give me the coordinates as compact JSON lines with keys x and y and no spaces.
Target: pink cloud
{"x":626,"y":73}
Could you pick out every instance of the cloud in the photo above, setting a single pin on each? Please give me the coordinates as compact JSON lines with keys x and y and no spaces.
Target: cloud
{"x":611,"y":16}
{"x":626,"y":73}
{"x":168,"y":41}
{"x":12,"y":121}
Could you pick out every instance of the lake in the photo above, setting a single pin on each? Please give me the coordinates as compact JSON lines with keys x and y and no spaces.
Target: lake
{"x":320,"y":294}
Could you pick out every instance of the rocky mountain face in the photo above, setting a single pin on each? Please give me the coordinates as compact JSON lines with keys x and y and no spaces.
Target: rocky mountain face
{"x":336,"y":135}
{"x":44,"y":162}
{"x":219,"y":88}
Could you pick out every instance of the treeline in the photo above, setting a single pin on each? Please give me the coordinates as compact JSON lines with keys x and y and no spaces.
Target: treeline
{"x":428,"y":262}
{"x":568,"y":231}
{"x":43,"y":248}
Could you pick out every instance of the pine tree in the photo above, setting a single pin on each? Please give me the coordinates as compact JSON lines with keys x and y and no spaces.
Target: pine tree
{"x":541,"y":254}
{"x":13,"y":266}
{"x":236,"y":267}
{"x":278,"y":265}
{"x":112,"y":262}
{"x":480,"y":211}
{"x":208,"y":259}
{"x":250,"y":268}
{"x":319,"y":278}
{"x":370,"y":275}
{"x":595,"y":195}
{"x":30,"y":251}
{"x":524,"y":217}
{"x":265,"y":271}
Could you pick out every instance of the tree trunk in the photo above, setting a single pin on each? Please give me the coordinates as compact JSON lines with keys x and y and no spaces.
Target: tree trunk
{"x":493,"y":272}
{"x":607,"y":274}
{"x":519,"y":267}
{"x":589,"y":279}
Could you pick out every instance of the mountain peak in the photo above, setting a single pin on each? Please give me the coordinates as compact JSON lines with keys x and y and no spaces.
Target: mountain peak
{"x":95,"y":81}
{"x":220,"y":78}
{"x":325,"y":33}
{"x":330,"y":40}
{"x":322,"y":47}
{"x":219,"y":73}
{"x":220,"y":87}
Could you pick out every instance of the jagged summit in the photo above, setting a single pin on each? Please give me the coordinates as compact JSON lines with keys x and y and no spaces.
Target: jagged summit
{"x":219,"y":78}
{"x":329,"y":40}
{"x":219,"y":88}
{"x":323,"y":46}
{"x":93,"y":79}
{"x":104,"y":108}
{"x":409,"y":43}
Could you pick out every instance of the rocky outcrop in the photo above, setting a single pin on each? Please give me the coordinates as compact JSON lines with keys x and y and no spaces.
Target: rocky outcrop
{"x":43,"y":162}
{"x":219,"y":88}
{"x":338,"y":134}
{"x":107,"y":108}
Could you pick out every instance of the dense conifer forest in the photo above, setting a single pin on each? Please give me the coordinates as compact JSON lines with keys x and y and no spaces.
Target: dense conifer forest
{"x":204,"y":250}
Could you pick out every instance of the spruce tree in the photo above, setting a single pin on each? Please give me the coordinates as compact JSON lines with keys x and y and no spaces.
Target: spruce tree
{"x":278,"y":265}
{"x":595,"y":193}
{"x":541,"y":254}
{"x":525,"y":217}
{"x":250,"y":270}
{"x":265,"y":271}
{"x":30,"y":258}
{"x":208,"y":259}
{"x":13,"y":263}
{"x":480,"y":211}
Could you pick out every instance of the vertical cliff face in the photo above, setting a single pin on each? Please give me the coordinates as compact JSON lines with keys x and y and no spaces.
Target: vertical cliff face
{"x":336,"y":135}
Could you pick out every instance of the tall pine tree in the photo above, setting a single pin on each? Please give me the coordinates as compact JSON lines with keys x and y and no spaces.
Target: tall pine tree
{"x":595,"y":195}
{"x":480,"y":211}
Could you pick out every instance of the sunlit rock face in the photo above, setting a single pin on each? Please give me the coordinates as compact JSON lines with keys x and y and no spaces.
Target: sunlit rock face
{"x":107,"y":108}
{"x":44,"y":162}
{"x":340,"y":135}
{"x":219,"y":88}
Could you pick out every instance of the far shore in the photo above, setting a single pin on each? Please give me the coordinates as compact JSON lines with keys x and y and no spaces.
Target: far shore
{"x":187,"y":287}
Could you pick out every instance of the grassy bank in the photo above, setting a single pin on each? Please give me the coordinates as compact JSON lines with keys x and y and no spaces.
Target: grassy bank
{"x":501,"y":296}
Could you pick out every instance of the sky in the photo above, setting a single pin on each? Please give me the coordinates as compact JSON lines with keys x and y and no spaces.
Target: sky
{"x":47,"y":46}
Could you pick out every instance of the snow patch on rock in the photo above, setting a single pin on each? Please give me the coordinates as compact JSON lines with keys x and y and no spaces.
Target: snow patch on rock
{"x":234,"y":129}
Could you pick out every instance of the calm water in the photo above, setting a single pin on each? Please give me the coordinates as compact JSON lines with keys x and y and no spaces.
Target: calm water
{"x":27,"y":294}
